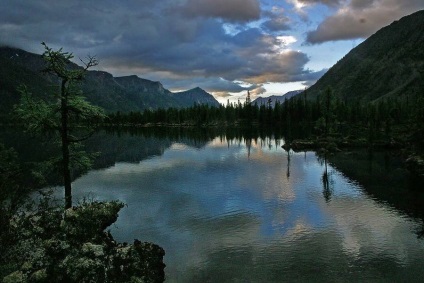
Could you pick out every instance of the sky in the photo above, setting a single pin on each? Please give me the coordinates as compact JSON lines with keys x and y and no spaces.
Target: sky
{"x":226,"y":47}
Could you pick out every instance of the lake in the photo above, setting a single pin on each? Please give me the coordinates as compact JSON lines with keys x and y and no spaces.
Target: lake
{"x":239,"y":208}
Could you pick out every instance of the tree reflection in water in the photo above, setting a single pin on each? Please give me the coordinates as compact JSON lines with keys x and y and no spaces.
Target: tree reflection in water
{"x":327,"y":183}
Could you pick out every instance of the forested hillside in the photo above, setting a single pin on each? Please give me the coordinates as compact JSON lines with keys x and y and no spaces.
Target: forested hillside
{"x":123,"y":94}
{"x":389,"y":63}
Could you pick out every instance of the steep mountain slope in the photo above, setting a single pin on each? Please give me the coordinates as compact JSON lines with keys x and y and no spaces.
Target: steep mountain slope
{"x":13,"y":74}
{"x":129,"y":93}
{"x":389,"y":63}
{"x":146,"y":93}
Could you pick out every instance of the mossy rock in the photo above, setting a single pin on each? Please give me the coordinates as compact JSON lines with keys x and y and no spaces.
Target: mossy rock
{"x":93,"y":218}
{"x":75,"y":248}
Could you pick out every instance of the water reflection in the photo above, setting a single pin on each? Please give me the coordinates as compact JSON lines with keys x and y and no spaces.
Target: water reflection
{"x":327,"y":182}
{"x":288,"y":164}
{"x":243,"y":209}
{"x":236,"y":207}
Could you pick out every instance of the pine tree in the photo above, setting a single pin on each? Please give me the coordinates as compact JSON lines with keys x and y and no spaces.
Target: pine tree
{"x":67,"y":115}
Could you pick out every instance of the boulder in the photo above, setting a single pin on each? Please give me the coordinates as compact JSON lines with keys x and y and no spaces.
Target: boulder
{"x":52,"y":245}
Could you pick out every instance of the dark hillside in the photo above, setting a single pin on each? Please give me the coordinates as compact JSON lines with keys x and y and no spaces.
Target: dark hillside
{"x":13,"y":74}
{"x":389,"y":63}
{"x":124,"y":94}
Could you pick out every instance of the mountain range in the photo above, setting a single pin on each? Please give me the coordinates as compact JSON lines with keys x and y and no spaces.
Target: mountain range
{"x":128,"y":93}
{"x":274,"y":98}
{"x":390,"y":63}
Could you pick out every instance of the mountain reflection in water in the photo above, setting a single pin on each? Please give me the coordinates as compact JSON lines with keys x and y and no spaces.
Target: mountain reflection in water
{"x":239,"y":208}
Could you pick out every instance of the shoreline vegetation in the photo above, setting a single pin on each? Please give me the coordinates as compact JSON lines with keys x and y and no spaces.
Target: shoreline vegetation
{"x":325,"y":124}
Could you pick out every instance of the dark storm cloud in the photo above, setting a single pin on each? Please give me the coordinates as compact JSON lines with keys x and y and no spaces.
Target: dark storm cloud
{"x":324,"y":2}
{"x":158,"y":39}
{"x":281,"y":67}
{"x":361,"y":4}
{"x":361,"y":18}
{"x":276,"y":22}
{"x":229,"y":10}
{"x":250,"y":56}
{"x":71,"y":24}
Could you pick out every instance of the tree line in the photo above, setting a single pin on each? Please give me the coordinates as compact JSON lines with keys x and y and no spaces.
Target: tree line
{"x":328,"y":115}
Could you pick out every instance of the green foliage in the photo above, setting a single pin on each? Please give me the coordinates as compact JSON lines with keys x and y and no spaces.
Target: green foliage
{"x":93,"y":217}
{"x":67,"y":113}
{"x":9,"y":169}
{"x":13,"y":194}
{"x":38,"y":115}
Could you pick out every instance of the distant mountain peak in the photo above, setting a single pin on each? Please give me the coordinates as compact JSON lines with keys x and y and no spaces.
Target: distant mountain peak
{"x":125,"y":93}
{"x":197,"y":95}
{"x":275,"y":98}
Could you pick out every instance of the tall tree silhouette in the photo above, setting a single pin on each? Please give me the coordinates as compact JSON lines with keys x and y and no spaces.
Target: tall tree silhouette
{"x":68,"y":113}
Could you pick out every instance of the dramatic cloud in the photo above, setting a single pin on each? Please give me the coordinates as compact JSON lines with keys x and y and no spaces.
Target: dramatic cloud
{"x":212,"y":84}
{"x":361,"y":4}
{"x":219,"y":45}
{"x":277,"y":21}
{"x":229,"y":10}
{"x":154,"y":42}
{"x":361,"y":18}
{"x":277,"y":24}
{"x":301,"y":6}
{"x":324,"y":2}
{"x":257,"y":91}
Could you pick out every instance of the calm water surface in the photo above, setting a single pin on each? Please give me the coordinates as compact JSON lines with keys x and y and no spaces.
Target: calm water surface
{"x":237,"y":211}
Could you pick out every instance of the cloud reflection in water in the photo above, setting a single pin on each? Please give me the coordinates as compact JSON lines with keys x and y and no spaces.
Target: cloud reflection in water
{"x":226,"y":213}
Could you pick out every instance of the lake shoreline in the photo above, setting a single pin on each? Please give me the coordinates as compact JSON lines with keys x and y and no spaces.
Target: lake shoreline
{"x":414,"y":161}
{"x":409,"y":150}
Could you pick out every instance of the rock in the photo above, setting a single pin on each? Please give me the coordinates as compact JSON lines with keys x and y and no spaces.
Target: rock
{"x":142,"y":260}
{"x":93,"y":217}
{"x":75,"y":248}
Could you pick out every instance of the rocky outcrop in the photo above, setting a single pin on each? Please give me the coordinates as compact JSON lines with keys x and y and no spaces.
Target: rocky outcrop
{"x":71,"y":246}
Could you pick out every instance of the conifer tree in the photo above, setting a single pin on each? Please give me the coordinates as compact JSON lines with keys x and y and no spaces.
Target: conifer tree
{"x":67,"y":112}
